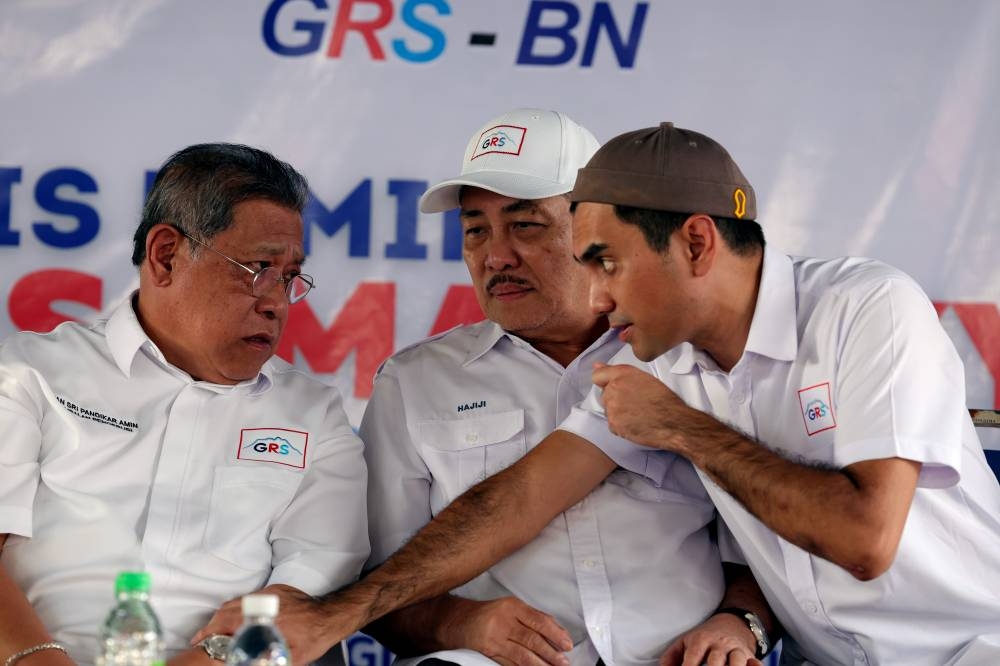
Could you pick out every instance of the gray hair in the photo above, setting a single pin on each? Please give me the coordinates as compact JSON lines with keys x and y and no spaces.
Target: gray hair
{"x":198,"y":187}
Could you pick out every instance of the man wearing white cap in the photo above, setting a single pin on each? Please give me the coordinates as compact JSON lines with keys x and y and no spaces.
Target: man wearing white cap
{"x":616,"y":578}
{"x":452,"y":410}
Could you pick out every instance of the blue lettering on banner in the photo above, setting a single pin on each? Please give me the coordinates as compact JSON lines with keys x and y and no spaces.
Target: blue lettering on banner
{"x":432,"y":32}
{"x":353,"y":212}
{"x":47,"y":197}
{"x":602,"y":18}
{"x":8,"y":177}
{"x":295,"y":28}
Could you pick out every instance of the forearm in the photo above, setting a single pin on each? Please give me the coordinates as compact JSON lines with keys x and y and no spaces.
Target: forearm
{"x":742,"y":591}
{"x":827,"y":512}
{"x":20,"y":626}
{"x":475,"y":531}
{"x":488,"y":522}
{"x":420,"y":628}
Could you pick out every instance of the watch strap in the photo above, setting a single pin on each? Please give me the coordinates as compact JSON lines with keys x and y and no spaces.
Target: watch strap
{"x":756,"y":627}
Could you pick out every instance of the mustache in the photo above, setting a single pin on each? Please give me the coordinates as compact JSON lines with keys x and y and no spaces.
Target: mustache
{"x":503,"y":278}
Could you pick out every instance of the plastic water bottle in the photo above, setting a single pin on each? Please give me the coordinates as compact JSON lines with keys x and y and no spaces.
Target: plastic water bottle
{"x":131,"y":635}
{"x":258,"y":642}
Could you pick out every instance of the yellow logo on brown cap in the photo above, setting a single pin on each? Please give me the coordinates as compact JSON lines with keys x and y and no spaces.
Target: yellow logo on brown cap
{"x":740,"y":198}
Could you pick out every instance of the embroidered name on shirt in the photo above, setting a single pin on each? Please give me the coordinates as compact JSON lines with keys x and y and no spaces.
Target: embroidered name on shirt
{"x":817,"y":408}
{"x":94,"y":415}
{"x":274,"y":445}
{"x":471,"y":405}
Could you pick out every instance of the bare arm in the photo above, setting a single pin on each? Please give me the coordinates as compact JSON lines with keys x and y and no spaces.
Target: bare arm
{"x":853,"y":516}
{"x":725,"y":638}
{"x":20,"y":627}
{"x":484,"y":525}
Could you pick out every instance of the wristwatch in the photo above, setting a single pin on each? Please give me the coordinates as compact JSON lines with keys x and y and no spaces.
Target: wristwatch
{"x":756,"y":627}
{"x":216,"y":646}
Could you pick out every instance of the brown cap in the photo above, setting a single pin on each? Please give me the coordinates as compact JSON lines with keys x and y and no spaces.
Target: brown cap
{"x":667,"y":168}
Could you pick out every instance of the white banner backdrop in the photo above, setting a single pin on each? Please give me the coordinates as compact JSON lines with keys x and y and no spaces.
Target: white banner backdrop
{"x":866,"y":128}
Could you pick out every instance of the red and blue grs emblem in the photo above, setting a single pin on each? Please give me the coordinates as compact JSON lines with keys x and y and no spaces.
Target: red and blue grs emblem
{"x":506,"y":139}
{"x":817,"y":408}
{"x":274,"y":445}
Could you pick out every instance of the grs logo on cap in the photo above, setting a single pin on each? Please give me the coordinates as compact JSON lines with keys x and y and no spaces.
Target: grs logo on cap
{"x":505,"y":139}
{"x":274,"y":445}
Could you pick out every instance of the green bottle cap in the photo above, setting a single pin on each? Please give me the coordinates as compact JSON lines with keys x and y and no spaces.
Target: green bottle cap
{"x":132,"y":581}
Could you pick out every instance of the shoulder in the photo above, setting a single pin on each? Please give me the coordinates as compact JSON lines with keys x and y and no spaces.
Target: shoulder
{"x":448,"y":348}
{"x":851,"y":282}
{"x":65,"y":341}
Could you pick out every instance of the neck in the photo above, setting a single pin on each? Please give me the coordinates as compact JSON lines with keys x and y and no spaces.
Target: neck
{"x":733,"y":302}
{"x":563,"y":349}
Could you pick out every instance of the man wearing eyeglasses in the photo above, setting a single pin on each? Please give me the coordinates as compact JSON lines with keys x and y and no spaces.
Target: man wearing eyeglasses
{"x":167,"y":438}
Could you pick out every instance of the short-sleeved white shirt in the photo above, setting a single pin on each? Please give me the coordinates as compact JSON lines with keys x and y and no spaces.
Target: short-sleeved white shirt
{"x":624,"y":571}
{"x":846,"y":362}
{"x":112,"y":459}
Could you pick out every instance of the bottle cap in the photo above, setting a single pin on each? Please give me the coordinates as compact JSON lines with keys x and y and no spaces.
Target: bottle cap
{"x":260,"y":604}
{"x":132,"y":581}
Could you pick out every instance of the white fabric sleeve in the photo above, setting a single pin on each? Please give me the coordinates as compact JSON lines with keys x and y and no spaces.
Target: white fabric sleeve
{"x":20,"y":447}
{"x":729,"y":548}
{"x":589,"y":421}
{"x":399,"y":482}
{"x":900,"y":387}
{"x":320,"y":541}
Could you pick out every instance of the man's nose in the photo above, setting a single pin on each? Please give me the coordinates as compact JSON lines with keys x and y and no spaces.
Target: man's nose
{"x":273,"y":302}
{"x":501,"y":254}
{"x":600,"y":299}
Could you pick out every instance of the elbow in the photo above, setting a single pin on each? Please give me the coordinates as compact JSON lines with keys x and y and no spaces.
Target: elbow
{"x":874,"y":554}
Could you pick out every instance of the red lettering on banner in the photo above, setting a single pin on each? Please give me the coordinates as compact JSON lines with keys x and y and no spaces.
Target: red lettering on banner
{"x":366,"y":325}
{"x":982,"y":322}
{"x":31,"y":297}
{"x":344,"y":24}
{"x":459,"y":307}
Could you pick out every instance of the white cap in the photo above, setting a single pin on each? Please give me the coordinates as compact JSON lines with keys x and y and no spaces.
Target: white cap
{"x":524,"y":154}
{"x":260,"y":604}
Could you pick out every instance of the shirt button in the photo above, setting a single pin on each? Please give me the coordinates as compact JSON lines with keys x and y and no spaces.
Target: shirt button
{"x":810,"y":608}
{"x":589,"y":564}
{"x":598,"y":631}
{"x":472,"y":437}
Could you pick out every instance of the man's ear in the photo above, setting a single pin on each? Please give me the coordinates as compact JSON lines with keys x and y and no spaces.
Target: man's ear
{"x":701,"y":239}
{"x":162,"y":247}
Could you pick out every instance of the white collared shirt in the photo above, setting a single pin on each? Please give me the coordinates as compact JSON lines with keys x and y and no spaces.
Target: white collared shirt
{"x":845,"y":362}
{"x":113,"y":459}
{"x":624,"y":572}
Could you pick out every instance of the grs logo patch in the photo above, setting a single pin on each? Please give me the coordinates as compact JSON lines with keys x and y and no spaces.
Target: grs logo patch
{"x":817,"y":408}
{"x":274,"y":445}
{"x":505,"y":139}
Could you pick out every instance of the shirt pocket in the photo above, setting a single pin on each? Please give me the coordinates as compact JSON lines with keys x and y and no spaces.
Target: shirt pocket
{"x":462,"y":452}
{"x":245,"y":501}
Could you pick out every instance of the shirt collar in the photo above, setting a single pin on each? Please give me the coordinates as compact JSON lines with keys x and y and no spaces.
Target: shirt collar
{"x":126,"y":338}
{"x":774,"y":328}
{"x":491,"y":334}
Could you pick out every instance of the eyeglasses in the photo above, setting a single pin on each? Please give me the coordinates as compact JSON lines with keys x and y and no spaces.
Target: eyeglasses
{"x":296,"y":286}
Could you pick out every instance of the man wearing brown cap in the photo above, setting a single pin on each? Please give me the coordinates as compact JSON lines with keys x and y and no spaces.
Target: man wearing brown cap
{"x":820,"y":400}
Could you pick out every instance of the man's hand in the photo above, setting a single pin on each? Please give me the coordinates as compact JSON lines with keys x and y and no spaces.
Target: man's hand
{"x":507,"y":631}
{"x":641,"y":408}
{"x":301,"y":620}
{"x":721,"y":640}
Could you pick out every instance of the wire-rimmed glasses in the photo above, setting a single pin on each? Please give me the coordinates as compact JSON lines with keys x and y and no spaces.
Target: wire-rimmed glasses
{"x":295,"y":286}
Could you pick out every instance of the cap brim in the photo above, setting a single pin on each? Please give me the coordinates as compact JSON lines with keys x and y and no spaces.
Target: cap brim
{"x":444,"y":195}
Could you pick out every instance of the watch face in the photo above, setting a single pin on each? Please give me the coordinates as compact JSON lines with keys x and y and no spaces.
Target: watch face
{"x":217,"y":646}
